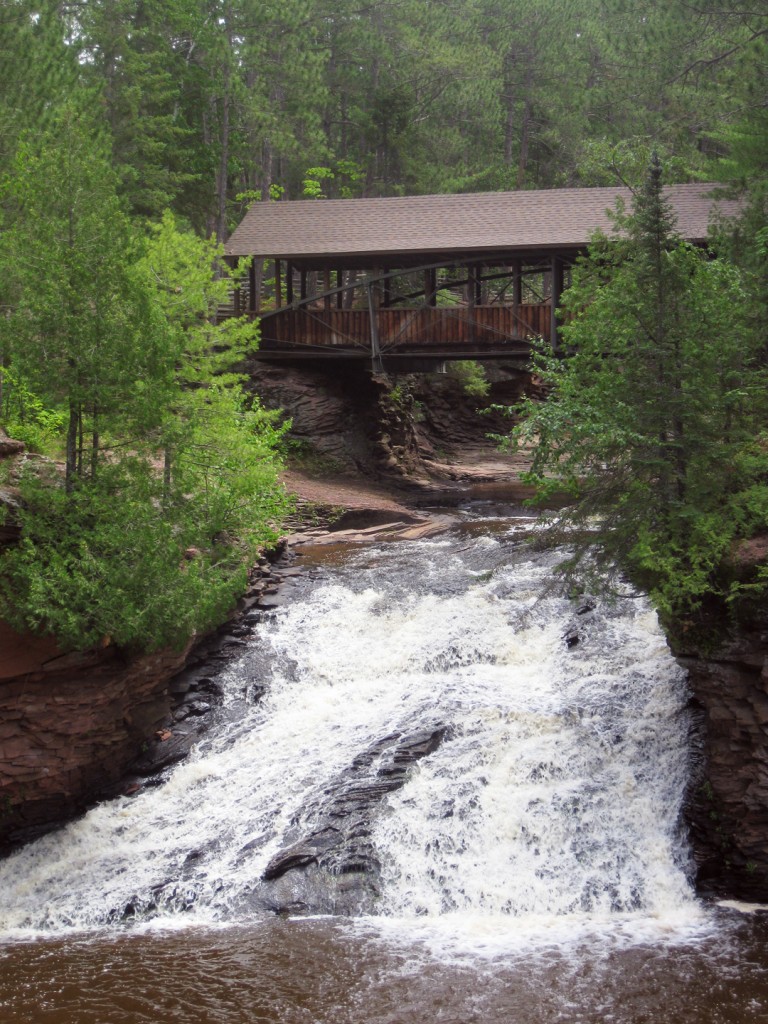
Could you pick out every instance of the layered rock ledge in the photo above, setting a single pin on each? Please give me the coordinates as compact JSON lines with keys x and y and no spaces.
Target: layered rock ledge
{"x":727,"y":813}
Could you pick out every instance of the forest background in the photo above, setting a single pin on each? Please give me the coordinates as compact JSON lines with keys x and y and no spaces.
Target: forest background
{"x":133,"y":135}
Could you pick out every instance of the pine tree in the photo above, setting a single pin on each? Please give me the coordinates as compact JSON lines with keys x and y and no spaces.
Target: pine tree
{"x":652,"y":418}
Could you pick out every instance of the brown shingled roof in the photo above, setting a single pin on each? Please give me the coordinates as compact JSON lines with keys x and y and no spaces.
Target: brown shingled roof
{"x":552,"y":219}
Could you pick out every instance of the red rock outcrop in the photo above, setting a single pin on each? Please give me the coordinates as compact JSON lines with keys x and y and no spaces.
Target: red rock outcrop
{"x":69,"y":728}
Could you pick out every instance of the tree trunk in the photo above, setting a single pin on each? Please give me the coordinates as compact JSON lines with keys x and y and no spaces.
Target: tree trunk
{"x":95,"y":441}
{"x":509,"y":105}
{"x":80,"y":442}
{"x":222,"y":177}
{"x":71,"y":456}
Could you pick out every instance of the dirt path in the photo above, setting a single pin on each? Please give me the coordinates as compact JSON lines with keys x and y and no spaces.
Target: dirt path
{"x":362,"y":510}
{"x":457,"y":474}
{"x":345,"y":493}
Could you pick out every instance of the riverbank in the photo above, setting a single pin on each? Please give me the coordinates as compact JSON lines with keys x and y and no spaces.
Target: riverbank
{"x":78,"y":728}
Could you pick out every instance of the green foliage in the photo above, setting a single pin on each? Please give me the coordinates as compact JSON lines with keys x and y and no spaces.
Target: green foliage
{"x":225,"y":467}
{"x":26,"y":418}
{"x":652,"y":418}
{"x":204,"y":103}
{"x":108,"y":560}
{"x":471,"y":376}
{"x":163,"y":454}
{"x":343,"y":178}
{"x":313,"y":183}
{"x":107,"y":563}
{"x":78,"y":328}
{"x":400,"y":396}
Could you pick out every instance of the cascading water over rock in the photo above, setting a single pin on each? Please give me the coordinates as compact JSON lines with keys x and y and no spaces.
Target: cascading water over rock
{"x":439,"y":736}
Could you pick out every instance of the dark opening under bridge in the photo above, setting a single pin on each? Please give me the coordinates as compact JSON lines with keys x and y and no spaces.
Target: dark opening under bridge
{"x":407,"y":282}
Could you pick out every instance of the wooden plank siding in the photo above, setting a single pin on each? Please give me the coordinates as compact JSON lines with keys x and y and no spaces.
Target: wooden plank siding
{"x":410,"y":329}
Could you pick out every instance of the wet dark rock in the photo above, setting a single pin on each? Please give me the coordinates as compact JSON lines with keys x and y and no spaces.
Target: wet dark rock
{"x":209,"y":686}
{"x":307,"y":851}
{"x":188,"y":680}
{"x":255,"y":692}
{"x":727,"y":806}
{"x":192,"y":709}
{"x":587,"y":605}
{"x":572,"y":638}
{"x":230,"y":642}
{"x":333,"y":868}
{"x":241,"y":631}
{"x":161,"y":753}
{"x":245,"y":604}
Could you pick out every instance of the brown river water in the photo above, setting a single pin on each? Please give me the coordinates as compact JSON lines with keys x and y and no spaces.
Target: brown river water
{"x":533,"y":868}
{"x":331,"y":972}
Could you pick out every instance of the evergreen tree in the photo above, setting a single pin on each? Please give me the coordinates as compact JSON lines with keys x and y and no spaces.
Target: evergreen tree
{"x":652,"y":418}
{"x":119,"y":333}
{"x":77,"y":327}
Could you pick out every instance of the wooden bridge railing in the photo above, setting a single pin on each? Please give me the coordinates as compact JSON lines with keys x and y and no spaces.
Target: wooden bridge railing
{"x":417,"y":330}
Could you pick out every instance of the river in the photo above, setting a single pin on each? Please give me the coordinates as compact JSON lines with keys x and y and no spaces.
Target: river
{"x":530,"y":866}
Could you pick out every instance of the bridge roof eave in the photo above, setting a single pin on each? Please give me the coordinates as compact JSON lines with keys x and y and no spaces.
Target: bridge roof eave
{"x":407,"y":229}
{"x":397,"y":259}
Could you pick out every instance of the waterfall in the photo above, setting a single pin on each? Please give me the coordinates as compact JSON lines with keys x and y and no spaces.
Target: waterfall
{"x":552,"y":792}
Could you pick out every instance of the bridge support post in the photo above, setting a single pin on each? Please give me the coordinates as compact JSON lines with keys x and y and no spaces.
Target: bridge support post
{"x":377,"y":365}
{"x":556,"y":293}
{"x":254,"y":285}
{"x":237,"y":295}
{"x":430,"y":287}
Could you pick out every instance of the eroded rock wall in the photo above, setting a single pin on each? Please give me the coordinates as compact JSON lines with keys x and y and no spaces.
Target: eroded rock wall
{"x":69,"y":730}
{"x":387,"y":425}
{"x":728,"y":807}
{"x":334,"y":411}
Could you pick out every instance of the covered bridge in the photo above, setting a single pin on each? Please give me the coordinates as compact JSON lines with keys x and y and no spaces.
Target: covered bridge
{"x":403,"y":279}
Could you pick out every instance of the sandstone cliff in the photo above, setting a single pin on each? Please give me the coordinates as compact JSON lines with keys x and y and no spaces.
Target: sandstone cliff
{"x":68,"y":730}
{"x":728,"y":807}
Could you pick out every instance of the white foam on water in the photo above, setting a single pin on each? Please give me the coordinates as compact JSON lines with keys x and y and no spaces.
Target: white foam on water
{"x":551,"y":808}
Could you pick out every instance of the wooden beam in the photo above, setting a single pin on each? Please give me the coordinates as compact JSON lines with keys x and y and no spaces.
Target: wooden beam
{"x":556,"y":293}
{"x":237,"y":295}
{"x":517,"y":284}
{"x":254,"y":282}
{"x":430,"y":287}
{"x":377,"y":365}
{"x":339,"y":284}
{"x":289,"y":283}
